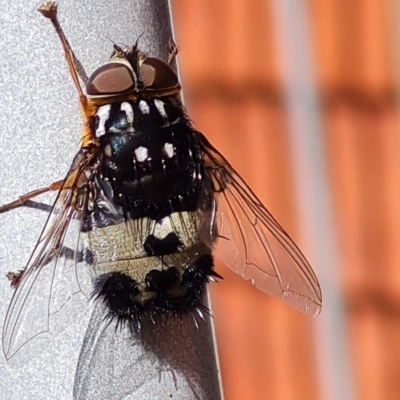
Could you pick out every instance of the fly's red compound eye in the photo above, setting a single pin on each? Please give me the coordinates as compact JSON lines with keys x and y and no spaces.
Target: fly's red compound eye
{"x":156,"y":74}
{"x":113,"y":78}
{"x":131,"y":71}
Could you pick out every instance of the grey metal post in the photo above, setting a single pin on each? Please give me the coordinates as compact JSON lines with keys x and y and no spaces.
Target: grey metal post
{"x":40,"y":121}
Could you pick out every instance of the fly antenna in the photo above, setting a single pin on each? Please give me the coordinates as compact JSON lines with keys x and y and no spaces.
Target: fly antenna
{"x":116,"y":45}
{"x":135,"y":46}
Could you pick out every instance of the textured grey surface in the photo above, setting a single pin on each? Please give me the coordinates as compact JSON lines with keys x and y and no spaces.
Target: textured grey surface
{"x":39,"y":137}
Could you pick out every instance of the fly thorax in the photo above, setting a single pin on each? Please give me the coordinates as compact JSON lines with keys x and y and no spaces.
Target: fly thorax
{"x":151,"y":162}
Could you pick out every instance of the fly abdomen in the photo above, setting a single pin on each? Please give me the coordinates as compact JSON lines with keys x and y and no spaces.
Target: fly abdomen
{"x":170,"y":291}
{"x":162,"y":268}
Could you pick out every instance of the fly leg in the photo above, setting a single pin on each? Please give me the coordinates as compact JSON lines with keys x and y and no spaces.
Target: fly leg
{"x":16,"y":277}
{"x":49,"y":10}
{"x":25,"y":200}
{"x":38,"y":206}
{"x":172,"y":51}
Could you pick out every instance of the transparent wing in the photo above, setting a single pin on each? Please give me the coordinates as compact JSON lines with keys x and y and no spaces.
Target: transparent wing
{"x":111,"y":354}
{"x":253,"y":244}
{"x":115,"y":364}
{"x":28,"y":312}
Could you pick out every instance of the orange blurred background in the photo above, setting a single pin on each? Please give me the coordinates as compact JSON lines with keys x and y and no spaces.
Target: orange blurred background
{"x":236,"y":86}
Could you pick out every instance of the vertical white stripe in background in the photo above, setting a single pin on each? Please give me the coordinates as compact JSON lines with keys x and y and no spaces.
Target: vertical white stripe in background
{"x":312,"y":190}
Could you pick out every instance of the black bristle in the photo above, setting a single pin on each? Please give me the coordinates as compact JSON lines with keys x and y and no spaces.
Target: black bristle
{"x":121,"y":294}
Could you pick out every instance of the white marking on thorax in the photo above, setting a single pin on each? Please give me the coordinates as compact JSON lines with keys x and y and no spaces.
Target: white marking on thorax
{"x":108,"y":150}
{"x":127,"y":108}
{"x":144,"y":107}
{"x":103,"y":114}
{"x":168,"y":150}
{"x":141,"y":153}
{"x":161,"y":108}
